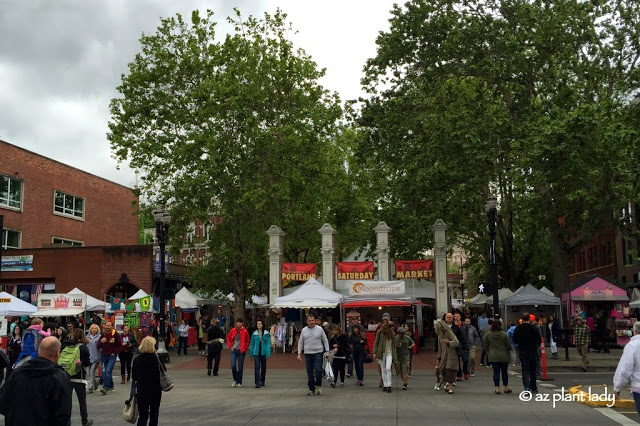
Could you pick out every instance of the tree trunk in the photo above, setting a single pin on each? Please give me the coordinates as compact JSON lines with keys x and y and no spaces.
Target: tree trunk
{"x":560,"y":262}
{"x":239,"y":293}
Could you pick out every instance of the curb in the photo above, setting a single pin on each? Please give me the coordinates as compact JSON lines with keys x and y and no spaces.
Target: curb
{"x":584,"y":398}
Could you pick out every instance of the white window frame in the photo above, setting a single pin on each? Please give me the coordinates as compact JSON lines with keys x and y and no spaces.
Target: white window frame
{"x":69,"y":215}
{"x":6,"y":231}
{"x":68,"y":241}
{"x":7,"y":206}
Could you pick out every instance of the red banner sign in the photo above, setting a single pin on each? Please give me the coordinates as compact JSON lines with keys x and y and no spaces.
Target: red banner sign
{"x":420,"y":269}
{"x":355,"y":270}
{"x":298,"y":272}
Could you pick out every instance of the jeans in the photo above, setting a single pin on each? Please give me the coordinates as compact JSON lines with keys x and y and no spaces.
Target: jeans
{"x":350,"y":366}
{"x":358,"y":361}
{"x":182,"y":343}
{"x":500,"y":367}
{"x":528,"y":362}
{"x":81,"y":393}
{"x":385,"y":369}
{"x":338,"y":367}
{"x":92,"y":374}
{"x":463,"y":364}
{"x":125,"y":363}
{"x":210,"y":357}
{"x":260,"y":366}
{"x":483,"y":356}
{"x":148,"y":409}
{"x":513,"y":355}
{"x":314,"y":370}
{"x":237,"y":365}
{"x":108,"y":361}
{"x":636,"y":398}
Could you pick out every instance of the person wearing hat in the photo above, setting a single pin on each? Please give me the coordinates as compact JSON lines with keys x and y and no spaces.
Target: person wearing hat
{"x":528,"y":339}
{"x":404,"y":346}
{"x":582,"y":336}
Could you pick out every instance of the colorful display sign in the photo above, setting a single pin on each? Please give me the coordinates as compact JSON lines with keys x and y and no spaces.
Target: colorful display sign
{"x":301,"y":272}
{"x":365,"y":288}
{"x":418,"y":269}
{"x":17,"y":263}
{"x":355,"y":270}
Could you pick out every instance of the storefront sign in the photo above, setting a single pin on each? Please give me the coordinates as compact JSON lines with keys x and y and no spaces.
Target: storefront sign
{"x":5,"y":300}
{"x":61,"y":301}
{"x":419,"y":269}
{"x":375,"y":287}
{"x":298,"y":272}
{"x":355,"y":270}
{"x":17,"y":263}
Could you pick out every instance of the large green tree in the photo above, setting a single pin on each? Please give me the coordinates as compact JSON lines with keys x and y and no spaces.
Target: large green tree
{"x":528,"y":99}
{"x":238,"y":128}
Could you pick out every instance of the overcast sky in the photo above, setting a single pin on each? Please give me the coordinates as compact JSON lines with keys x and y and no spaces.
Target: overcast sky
{"x":60,"y":62}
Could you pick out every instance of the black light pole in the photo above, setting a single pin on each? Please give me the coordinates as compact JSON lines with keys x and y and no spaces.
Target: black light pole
{"x":491,"y":208}
{"x":163,"y":219}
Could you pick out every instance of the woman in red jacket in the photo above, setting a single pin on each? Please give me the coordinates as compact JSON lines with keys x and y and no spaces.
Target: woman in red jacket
{"x":238,"y":342}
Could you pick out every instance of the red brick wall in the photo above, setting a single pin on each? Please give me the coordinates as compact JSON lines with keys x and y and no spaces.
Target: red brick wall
{"x":92,"y":269}
{"x":108,"y":218}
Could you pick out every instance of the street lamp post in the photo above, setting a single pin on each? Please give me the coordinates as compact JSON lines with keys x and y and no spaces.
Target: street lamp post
{"x":491,"y":208}
{"x":163,"y":219}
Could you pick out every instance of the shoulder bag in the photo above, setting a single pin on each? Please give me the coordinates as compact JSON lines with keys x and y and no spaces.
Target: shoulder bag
{"x":367,"y":355}
{"x":165,"y":381}
{"x":130,"y":412}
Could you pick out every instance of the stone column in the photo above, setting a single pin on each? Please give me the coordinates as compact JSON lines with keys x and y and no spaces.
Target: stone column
{"x":440,"y":259}
{"x":328,"y":258}
{"x":276,"y":243}
{"x":382,"y":251}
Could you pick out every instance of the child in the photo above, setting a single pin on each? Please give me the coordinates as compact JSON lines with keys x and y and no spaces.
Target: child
{"x":404,"y":344}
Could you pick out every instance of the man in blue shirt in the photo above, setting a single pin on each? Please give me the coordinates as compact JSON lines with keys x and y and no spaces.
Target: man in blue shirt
{"x":222,"y":320}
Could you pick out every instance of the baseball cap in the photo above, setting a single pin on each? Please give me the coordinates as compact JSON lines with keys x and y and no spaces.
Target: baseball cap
{"x":325,"y":324}
{"x":532,"y":318}
{"x":386,"y":315}
{"x":578,"y":317}
{"x":401,"y":330}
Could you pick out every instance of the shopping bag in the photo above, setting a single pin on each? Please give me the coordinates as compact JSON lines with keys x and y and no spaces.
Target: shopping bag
{"x":328,"y":371}
{"x":165,"y":381}
{"x":130,"y":412}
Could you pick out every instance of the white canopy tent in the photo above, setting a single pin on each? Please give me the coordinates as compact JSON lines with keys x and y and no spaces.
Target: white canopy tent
{"x":93,"y":304}
{"x":12,"y":306}
{"x":186,"y":300}
{"x":531,"y":296}
{"x":60,"y":305}
{"x":311,"y":294}
{"x":478,"y":300}
{"x":138,"y":295}
{"x":545,"y":290}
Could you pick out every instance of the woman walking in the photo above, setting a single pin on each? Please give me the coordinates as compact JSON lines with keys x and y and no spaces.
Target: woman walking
{"x":78,"y":343}
{"x":358,"y":343}
{"x":146,"y":375}
{"x":126,"y":354}
{"x":498,"y":346}
{"x":339,"y":344}
{"x":385,"y":351}
{"x":200,"y":332}
{"x":260,"y":350}
{"x":184,"y":335}
{"x":15,"y":347}
{"x":447,"y":353}
{"x":94,"y":356}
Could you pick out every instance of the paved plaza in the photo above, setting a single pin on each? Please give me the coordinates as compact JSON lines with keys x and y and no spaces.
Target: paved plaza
{"x":201,"y":399}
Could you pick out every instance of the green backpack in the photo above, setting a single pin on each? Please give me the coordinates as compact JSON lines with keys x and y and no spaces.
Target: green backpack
{"x":69,"y":359}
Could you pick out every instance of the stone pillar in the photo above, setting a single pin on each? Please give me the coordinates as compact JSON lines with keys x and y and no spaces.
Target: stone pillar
{"x":276,"y":243}
{"x":440,"y":259}
{"x":328,"y":256}
{"x":382,"y":251}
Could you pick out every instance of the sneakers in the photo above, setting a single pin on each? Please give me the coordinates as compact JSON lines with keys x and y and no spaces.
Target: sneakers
{"x":234,"y":385}
{"x":348,"y":375}
{"x":482,"y":363}
{"x":262,"y":384}
{"x":359,"y":383}
{"x":473,"y":374}
{"x":257,"y":385}
{"x":310,"y":392}
{"x":87,"y":423}
{"x":341,"y":383}
{"x":319,"y":390}
{"x":103,"y":391}
{"x":466,"y":377}
{"x":239,"y":385}
{"x":404,"y":387}
{"x":208,"y":371}
{"x":332,"y":384}
{"x":389,"y":389}
{"x":458,"y":379}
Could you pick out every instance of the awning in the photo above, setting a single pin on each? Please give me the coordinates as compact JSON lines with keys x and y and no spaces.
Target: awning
{"x":373,"y":303}
{"x":57,"y":312}
{"x":600,"y":298}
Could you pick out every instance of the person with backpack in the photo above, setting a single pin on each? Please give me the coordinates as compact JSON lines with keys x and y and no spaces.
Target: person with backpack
{"x":110,"y":345}
{"x":31,"y":341}
{"x":74,"y":358}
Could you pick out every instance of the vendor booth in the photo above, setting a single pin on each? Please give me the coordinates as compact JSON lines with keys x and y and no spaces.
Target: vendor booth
{"x":60,"y":305}
{"x":93,"y":304}
{"x":532,"y":300}
{"x":595,"y":295}
{"x":12,"y":306}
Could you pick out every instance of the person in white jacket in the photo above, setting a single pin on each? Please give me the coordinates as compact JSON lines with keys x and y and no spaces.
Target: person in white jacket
{"x":629,"y":367}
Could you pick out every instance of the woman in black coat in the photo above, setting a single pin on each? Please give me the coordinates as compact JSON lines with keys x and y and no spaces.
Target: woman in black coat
{"x":146,"y":375}
{"x":78,"y":380}
{"x":339,"y":344}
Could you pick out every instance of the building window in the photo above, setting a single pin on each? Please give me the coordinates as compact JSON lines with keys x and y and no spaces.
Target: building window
{"x":190,"y":259}
{"x":10,"y":192}
{"x":68,"y":205}
{"x":10,"y":239}
{"x":72,"y":243}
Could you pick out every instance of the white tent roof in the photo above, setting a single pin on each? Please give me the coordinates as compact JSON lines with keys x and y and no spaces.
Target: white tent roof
{"x":186,"y":300}
{"x":255,"y":300}
{"x":93,"y":304}
{"x":12,"y":306}
{"x":530,"y":295}
{"x":139,"y":295}
{"x":503,"y":293}
{"x":311,"y":294}
{"x":545,"y":290}
{"x":478,"y":299}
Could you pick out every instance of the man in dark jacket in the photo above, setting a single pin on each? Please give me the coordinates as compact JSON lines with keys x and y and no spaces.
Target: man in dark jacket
{"x":39,"y":392}
{"x":528,"y":339}
{"x":460,"y":330}
{"x":215,"y":338}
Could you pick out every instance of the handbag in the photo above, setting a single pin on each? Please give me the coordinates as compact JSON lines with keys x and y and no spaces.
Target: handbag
{"x":368,"y":359}
{"x":165,"y":381}
{"x":130,"y":412}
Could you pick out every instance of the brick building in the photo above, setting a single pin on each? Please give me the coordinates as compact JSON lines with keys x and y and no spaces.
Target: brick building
{"x":46,"y":202}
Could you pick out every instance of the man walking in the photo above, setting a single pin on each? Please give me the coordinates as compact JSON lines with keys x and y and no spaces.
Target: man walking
{"x":313,"y":342}
{"x":459,"y":328}
{"x":528,"y":339}
{"x":238,"y":342}
{"x":110,"y":345}
{"x":629,"y":368}
{"x":39,"y":392}
{"x":404,"y":345}
{"x":215,"y":339}
{"x":473,"y":339}
{"x":483,"y":322}
{"x":222,"y":320}
{"x":582,"y":336}
{"x":484,"y":358}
